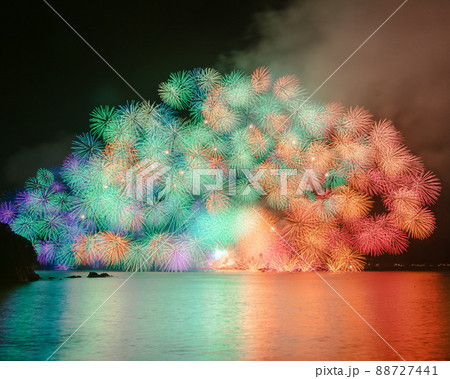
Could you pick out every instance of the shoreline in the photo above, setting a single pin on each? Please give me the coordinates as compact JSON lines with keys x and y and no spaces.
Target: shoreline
{"x":372,"y":268}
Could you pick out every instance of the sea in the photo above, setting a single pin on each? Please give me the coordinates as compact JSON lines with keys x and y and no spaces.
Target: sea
{"x":228,"y":316}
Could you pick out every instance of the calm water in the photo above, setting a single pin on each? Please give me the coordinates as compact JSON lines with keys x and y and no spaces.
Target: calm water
{"x":229,"y":316}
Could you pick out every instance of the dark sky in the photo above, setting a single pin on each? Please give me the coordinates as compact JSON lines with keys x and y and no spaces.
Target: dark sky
{"x":52,"y":80}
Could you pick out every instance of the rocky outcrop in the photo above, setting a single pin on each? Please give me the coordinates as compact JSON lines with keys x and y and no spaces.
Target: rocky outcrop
{"x":17,"y":258}
{"x":95,"y":275}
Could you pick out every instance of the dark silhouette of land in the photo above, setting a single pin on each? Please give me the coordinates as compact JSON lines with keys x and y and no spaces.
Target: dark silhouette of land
{"x":17,"y":258}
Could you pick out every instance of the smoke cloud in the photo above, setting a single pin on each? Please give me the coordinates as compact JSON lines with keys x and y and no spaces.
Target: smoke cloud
{"x":401,"y":73}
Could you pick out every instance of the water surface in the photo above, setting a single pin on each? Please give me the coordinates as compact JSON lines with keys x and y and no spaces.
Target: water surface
{"x":228,"y":316}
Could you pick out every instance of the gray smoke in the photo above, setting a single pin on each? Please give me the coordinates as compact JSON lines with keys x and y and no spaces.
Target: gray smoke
{"x":401,"y":73}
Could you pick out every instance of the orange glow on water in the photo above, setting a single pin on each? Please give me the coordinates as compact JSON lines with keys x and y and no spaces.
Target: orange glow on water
{"x":406,"y":309}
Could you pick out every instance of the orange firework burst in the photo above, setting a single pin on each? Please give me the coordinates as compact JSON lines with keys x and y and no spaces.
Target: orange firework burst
{"x":354,"y":154}
{"x":355,"y":121}
{"x":275,"y":122}
{"x":261,"y":79}
{"x":395,"y":161}
{"x":85,"y":250}
{"x":113,"y":246}
{"x":257,"y":141}
{"x":402,"y":200}
{"x":286,"y":88}
{"x":299,"y":218}
{"x":333,"y":113}
{"x":313,"y":244}
{"x":217,"y":111}
{"x":352,"y":205}
{"x":418,"y":223}
{"x":384,"y":135}
{"x":360,"y":181}
{"x":320,"y":157}
{"x":344,"y":258}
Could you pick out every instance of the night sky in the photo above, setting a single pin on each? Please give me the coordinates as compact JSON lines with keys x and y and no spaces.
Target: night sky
{"x":52,"y":80}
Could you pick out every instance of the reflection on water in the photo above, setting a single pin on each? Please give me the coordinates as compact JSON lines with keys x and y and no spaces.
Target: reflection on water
{"x":229,"y":316}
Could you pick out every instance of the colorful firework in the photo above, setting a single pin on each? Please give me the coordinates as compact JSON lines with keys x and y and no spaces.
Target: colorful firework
{"x":297,"y":183}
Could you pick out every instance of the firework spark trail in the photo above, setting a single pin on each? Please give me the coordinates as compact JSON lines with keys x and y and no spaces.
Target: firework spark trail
{"x":343,"y":63}
{"x":332,"y":288}
{"x":103,"y":303}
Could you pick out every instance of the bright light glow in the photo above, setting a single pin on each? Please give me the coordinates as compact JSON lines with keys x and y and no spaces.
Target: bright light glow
{"x":220,"y":253}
